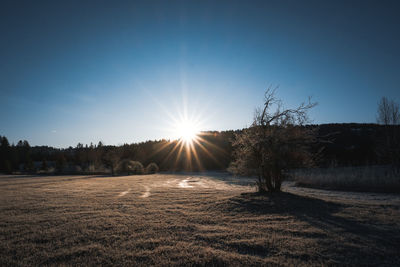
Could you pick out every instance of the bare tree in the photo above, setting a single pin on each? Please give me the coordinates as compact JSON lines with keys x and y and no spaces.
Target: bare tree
{"x":276,"y":141}
{"x":388,"y":112}
{"x":388,"y":145}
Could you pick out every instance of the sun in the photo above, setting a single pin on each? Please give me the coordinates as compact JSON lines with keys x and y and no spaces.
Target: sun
{"x":187,"y":131}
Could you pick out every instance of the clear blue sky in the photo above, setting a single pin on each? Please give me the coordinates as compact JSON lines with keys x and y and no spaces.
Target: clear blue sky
{"x":117,"y":71}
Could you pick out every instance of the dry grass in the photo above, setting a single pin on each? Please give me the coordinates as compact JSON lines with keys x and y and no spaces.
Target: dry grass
{"x":366,"y":179}
{"x":185,"y":220}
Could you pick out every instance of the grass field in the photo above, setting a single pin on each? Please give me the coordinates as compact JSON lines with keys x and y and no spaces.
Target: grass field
{"x":365,"y":179}
{"x":169,"y":219}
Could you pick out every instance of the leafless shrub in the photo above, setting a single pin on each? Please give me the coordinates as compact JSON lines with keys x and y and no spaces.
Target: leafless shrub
{"x":275,"y":143}
{"x":388,"y":112}
{"x":130,"y":167}
{"x":152,"y":168}
{"x":388,"y":145}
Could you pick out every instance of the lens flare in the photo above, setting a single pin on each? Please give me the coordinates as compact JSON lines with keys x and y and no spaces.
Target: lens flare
{"x":187,"y":131}
{"x":187,"y":138}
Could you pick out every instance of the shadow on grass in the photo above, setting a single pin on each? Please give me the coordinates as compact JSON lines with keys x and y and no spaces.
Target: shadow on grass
{"x":316,"y":212}
{"x":283,"y":202}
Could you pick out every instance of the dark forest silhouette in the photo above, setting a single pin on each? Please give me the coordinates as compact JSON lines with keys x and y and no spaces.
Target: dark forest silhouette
{"x":352,"y":144}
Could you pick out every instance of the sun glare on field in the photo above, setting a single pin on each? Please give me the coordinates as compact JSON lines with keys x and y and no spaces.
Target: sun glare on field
{"x":187,"y":131}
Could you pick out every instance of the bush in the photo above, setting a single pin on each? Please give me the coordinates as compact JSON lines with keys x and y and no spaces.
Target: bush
{"x":130,"y":167}
{"x":275,"y":143}
{"x":152,"y":168}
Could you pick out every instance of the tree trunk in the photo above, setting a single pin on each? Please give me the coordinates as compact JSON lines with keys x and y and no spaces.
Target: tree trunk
{"x":273,"y":181}
{"x":261,"y":184}
{"x":277,"y":180}
{"x":268,"y":181}
{"x":277,"y":184}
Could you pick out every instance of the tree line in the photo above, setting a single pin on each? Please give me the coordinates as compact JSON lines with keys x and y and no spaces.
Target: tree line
{"x":351,"y":144}
{"x":211,"y":152}
{"x":282,"y":136}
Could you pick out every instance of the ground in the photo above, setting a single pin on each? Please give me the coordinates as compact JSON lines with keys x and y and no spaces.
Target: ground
{"x":185,"y":219}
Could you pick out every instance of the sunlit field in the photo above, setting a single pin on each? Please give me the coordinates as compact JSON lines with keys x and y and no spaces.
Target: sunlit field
{"x":170,"y":219}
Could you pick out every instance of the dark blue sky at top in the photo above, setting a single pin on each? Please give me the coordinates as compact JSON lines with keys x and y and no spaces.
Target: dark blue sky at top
{"x":117,"y":71}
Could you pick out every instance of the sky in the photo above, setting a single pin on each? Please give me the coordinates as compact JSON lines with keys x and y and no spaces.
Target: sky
{"x":125,"y":71}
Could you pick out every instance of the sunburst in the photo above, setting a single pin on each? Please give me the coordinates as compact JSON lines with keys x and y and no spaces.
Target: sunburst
{"x":187,"y":131}
{"x":186,"y":126}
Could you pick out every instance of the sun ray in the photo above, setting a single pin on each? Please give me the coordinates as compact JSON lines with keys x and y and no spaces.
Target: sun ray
{"x":185,"y":123}
{"x":196,"y":157}
{"x":179,"y":153}
{"x":199,"y":138}
{"x":162,"y":147}
{"x":171,"y":152}
{"x":208,"y":152}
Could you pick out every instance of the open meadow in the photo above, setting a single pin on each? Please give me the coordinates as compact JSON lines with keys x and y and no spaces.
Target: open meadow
{"x":185,"y":219}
